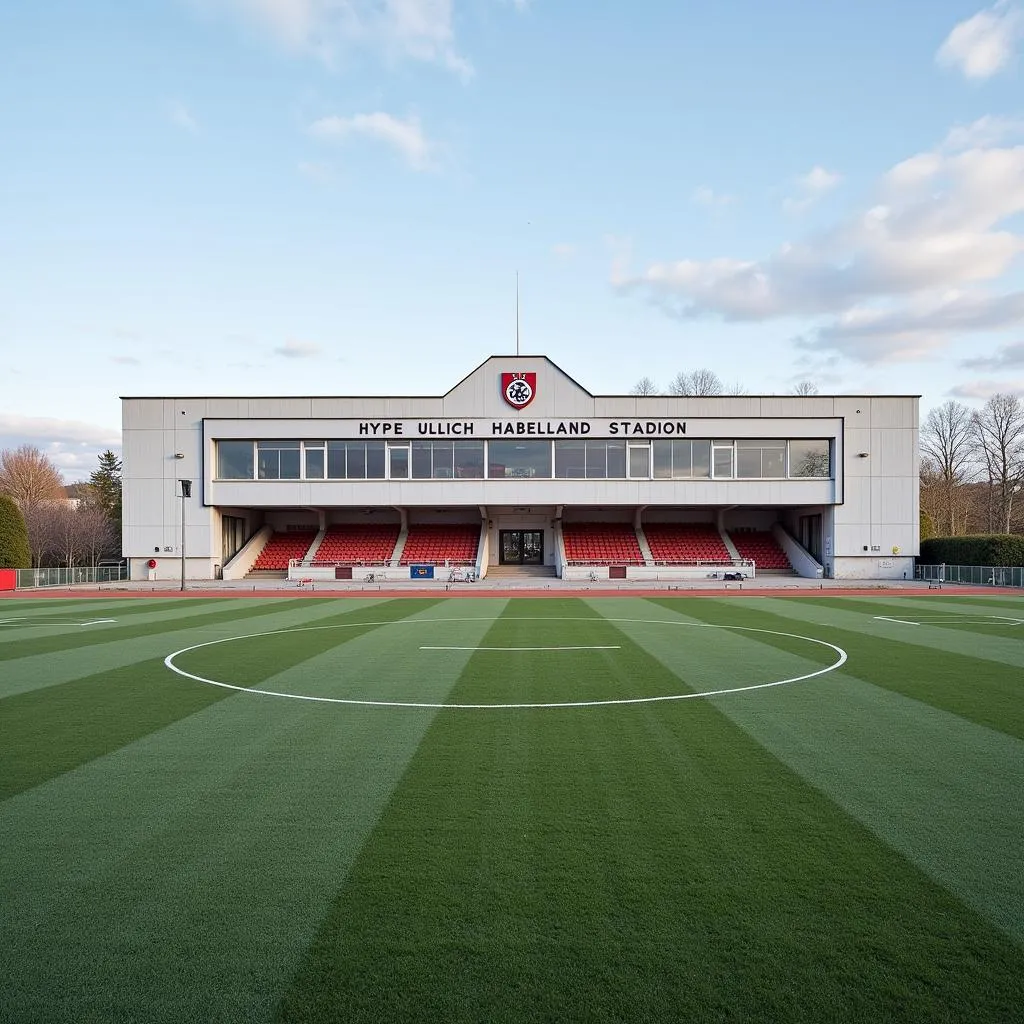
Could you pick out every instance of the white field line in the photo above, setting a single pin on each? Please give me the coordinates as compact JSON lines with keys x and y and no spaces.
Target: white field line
{"x":988,"y":620}
{"x":96,"y":622}
{"x":610,"y":647}
{"x":169,"y":662}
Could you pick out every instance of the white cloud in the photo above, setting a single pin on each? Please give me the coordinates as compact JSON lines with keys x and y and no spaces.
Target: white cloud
{"x":898,"y":277}
{"x":984,"y":44}
{"x":811,"y":187}
{"x":703,"y":195}
{"x":181,"y":116}
{"x":74,"y":447}
{"x":406,"y":136}
{"x":126,"y":360}
{"x":564,"y":250}
{"x":420,"y":30}
{"x":298,"y":350}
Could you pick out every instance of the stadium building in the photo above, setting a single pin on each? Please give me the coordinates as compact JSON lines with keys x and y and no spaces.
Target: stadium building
{"x":518,"y":469}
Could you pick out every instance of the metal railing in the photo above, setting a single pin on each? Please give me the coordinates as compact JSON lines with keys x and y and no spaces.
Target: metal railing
{"x":65,"y":576}
{"x":973,"y":575}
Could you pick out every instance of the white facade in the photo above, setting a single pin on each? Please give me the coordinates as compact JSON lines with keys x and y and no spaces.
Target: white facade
{"x":867,"y":503}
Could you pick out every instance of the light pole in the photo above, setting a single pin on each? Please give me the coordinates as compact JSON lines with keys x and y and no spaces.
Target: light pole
{"x":186,"y":492}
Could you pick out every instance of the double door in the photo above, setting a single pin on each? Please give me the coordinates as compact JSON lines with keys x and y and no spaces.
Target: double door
{"x":521,"y":547}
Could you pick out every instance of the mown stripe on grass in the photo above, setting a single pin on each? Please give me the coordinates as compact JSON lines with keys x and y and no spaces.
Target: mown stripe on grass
{"x":635,"y":863}
{"x":946,"y":792}
{"x":210,"y":612}
{"x":977,"y":688}
{"x":181,"y":878}
{"x":44,"y":733}
{"x":52,"y":668}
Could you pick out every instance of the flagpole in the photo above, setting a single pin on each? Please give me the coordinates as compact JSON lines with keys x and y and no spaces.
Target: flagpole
{"x":517,"y":312}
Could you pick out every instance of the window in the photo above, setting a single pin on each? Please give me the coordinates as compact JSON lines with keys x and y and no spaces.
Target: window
{"x":810,"y":458}
{"x":355,"y":460}
{"x":760,"y":459}
{"x":314,"y":455}
{"x":469,"y":460}
{"x":721,"y":459}
{"x":235,"y":460}
{"x":639,"y":461}
{"x":570,"y":459}
{"x":518,"y":459}
{"x":398,"y":455}
{"x":277,"y":460}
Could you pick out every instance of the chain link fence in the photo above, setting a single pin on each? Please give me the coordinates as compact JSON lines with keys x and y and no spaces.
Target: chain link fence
{"x":65,"y":576}
{"x":975,"y":575}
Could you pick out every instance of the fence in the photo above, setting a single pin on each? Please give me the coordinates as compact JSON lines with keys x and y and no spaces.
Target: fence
{"x":64,"y":576}
{"x":975,"y":575}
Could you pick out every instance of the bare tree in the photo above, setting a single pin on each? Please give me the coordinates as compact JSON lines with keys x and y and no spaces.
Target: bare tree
{"x":644,"y":386}
{"x":29,"y":477}
{"x":948,"y":450}
{"x":806,"y":388}
{"x":700,"y":382}
{"x":97,"y":534}
{"x":999,"y":431}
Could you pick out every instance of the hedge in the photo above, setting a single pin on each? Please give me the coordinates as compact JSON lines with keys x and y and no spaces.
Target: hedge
{"x":990,"y":549}
{"x":14,"y":549}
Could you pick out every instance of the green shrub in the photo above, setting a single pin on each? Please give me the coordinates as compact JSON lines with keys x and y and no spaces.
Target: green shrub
{"x":14,"y":549}
{"x":981,"y":549}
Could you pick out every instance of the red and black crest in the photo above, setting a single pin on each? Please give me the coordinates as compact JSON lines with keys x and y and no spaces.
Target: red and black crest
{"x":519,"y":389}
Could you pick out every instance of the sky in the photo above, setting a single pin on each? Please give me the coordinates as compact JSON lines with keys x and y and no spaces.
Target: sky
{"x":297,"y":197}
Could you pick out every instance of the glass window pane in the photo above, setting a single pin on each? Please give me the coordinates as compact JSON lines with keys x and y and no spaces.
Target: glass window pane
{"x":290,"y":464}
{"x":469,"y":459}
{"x":443,"y":460}
{"x":421,"y":460}
{"x":597,"y":459}
{"x":235,"y":460}
{"x":336,"y":460}
{"x":314,"y":463}
{"x":682,"y":459}
{"x":640,"y":461}
{"x":748,"y":463}
{"x":374,"y":460}
{"x":399,"y":454}
{"x":616,"y":460}
{"x":570,"y":459}
{"x":701,"y":458}
{"x":773,"y":462}
{"x":269,"y":464}
{"x":356,"y":460}
{"x":662,"y":460}
{"x":809,"y":458}
{"x":519,"y":459}
{"x":722,"y":456}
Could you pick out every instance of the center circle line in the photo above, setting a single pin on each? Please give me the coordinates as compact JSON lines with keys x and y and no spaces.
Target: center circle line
{"x":843,"y":657}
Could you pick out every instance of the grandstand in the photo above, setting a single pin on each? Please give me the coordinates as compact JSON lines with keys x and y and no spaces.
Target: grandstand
{"x":441,"y":544}
{"x":601,"y":544}
{"x":681,"y":543}
{"x":357,"y":544}
{"x":762,"y":548}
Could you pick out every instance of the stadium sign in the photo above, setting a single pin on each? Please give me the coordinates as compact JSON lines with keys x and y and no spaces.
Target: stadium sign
{"x":521,"y":428}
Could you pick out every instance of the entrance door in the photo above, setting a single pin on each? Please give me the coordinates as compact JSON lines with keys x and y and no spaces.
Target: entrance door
{"x":521,"y":547}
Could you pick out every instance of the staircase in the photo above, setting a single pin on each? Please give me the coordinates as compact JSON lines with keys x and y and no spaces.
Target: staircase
{"x":520,"y":572}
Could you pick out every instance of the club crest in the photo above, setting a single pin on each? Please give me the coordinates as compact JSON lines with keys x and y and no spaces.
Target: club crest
{"x":519,"y":389}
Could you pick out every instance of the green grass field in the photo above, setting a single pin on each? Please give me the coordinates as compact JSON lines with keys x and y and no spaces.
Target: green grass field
{"x":618,"y":841}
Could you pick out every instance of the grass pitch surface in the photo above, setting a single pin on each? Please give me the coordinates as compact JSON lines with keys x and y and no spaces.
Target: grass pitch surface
{"x":380,"y":840}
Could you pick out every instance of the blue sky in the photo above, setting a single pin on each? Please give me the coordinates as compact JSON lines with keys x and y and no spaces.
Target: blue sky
{"x":334,"y":197}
